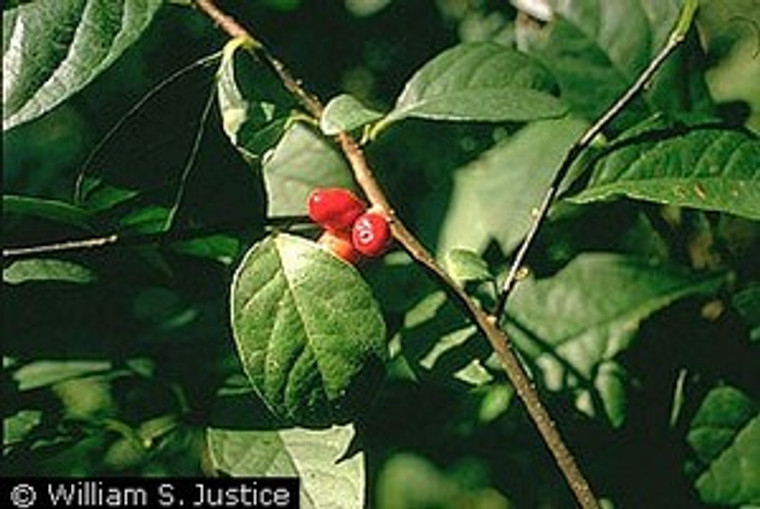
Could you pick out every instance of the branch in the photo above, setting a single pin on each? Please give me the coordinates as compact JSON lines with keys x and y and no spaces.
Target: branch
{"x":57,"y":247}
{"x":140,"y":239}
{"x":675,"y":40}
{"x":486,"y":324}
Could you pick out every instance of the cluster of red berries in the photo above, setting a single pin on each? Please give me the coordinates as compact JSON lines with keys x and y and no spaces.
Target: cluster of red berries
{"x":351,"y":230}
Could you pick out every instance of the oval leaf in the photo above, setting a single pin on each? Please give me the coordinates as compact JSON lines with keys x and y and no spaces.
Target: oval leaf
{"x":47,"y":270}
{"x":345,"y":113}
{"x":478,"y":82}
{"x":43,"y":373}
{"x":53,"y":48}
{"x":705,"y":167}
{"x":725,"y":437}
{"x":309,"y":333}
{"x":53,"y":210}
{"x":314,"y":456}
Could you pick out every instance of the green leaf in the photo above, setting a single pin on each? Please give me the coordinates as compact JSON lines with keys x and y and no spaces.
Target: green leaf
{"x":496,"y":401}
{"x":465,"y":265}
{"x":18,"y":426}
{"x":725,"y":437}
{"x":43,"y":373}
{"x":345,"y":113}
{"x":219,"y":247}
{"x":101,"y":196}
{"x":316,"y":457}
{"x":596,"y":50}
{"x":727,"y":33}
{"x":309,"y":333}
{"x":301,"y":161}
{"x":747,"y":302}
{"x":47,"y":270}
{"x":86,"y":397}
{"x":254,"y":104}
{"x":408,"y":480}
{"x":54,"y":48}
{"x":494,"y":196}
{"x":46,"y":209}
{"x":146,"y":219}
{"x":574,"y":325}
{"x":478,"y":82}
{"x":701,"y":166}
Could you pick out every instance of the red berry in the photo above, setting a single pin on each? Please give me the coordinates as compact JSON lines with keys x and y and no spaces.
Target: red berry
{"x":335,"y":208}
{"x":371,"y":234}
{"x":340,"y":245}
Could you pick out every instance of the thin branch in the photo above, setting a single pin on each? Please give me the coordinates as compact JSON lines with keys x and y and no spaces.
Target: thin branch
{"x":235,"y":30}
{"x":57,"y":247}
{"x":226,"y":22}
{"x":273,"y":224}
{"x":579,"y":146}
{"x":499,"y":341}
{"x":497,"y":338}
{"x":515,"y":269}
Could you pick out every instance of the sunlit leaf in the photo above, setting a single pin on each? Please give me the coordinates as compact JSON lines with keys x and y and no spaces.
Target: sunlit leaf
{"x":345,"y":113}
{"x":316,"y":457}
{"x":478,"y":82}
{"x":17,"y":426}
{"x":53,"y":48}
{"x":309,"y":333}
{"x":43,"y":373}
{"x":47,"y":269}
{"x":702,"y":166}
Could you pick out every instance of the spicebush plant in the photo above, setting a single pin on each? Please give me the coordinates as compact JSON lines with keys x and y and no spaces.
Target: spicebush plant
{"x":531,"y":279}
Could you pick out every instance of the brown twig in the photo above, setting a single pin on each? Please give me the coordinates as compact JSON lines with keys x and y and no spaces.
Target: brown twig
{"x":273,"y":223}
{"x":227,"y":23}
{"x":501,"y":345}
{"x":484,"y":322}
{"x":579,"y":146}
